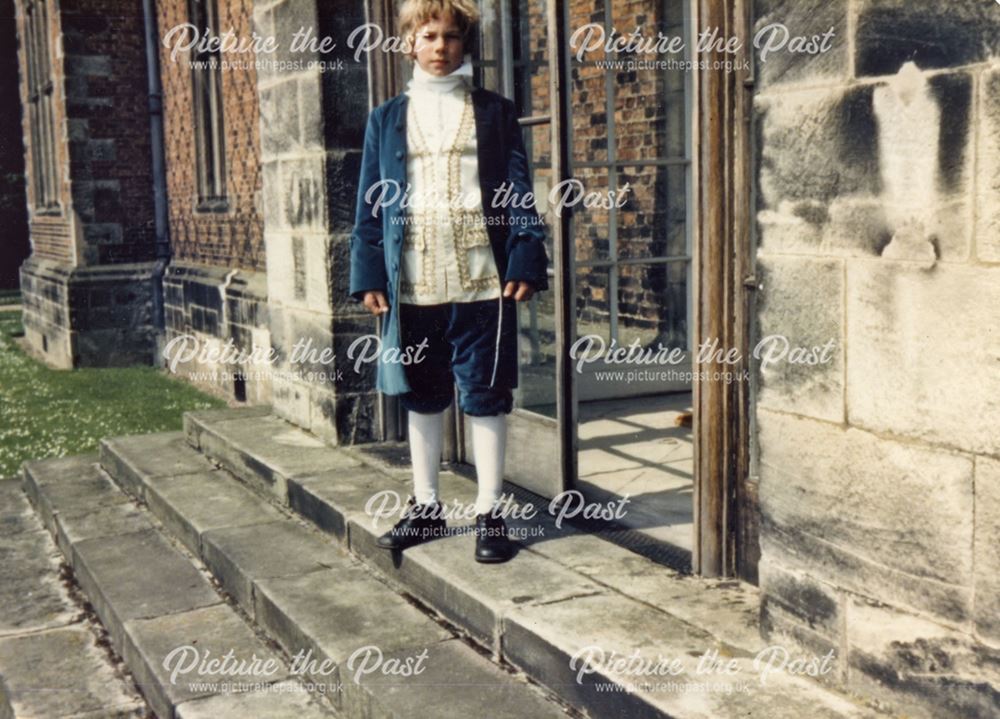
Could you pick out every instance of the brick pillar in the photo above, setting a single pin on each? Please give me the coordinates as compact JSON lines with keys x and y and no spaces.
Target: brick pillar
{"x":91,"y":287}
{"x":312,"y":129}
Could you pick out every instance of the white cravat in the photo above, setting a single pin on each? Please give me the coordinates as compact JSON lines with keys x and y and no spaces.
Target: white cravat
{"x":435,"y":269}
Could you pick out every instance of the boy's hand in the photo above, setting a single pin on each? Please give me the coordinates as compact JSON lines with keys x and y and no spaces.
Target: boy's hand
{"x":521,"y":291}
{"x":376,"y":303}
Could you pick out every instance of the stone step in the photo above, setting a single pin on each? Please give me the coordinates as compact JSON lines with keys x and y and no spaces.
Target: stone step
{"x":563,"y":595}
{"x":52,"y":663}
{"x":149,"y":594}
{"x":311,"y":596}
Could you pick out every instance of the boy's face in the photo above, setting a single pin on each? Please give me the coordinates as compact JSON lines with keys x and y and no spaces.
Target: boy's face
{"x":438,"y":46}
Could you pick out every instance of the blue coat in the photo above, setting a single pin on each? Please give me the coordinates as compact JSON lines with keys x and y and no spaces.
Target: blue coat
{"x":516,"y":233}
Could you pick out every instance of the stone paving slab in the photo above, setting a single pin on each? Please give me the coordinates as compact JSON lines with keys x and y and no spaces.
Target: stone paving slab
{"x":148,"y":594}
{"x":544,"y":640}
{"x":333,"y":614}
{"x":240,"y":556}
{"x":476,"y":687}
{"x":62,"y":673}
{"x":16,"y":514}
{"x":50,"y":663}
{"x":282,"y":700}
{"x":77,"y":526}
{"x":193,"y":504}
{"x":31,"y":595}
{"x":240,"y":445}
{"x":324,"y":498}
{"x":164,"y":454}
{"x":727,"y":608}
{"x":138,"y":575}
{"x":194,"y":422}
{"x":56,"y":486}
{"x":167,"y":655}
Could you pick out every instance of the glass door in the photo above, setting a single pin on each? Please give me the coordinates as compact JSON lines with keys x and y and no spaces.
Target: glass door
{"x":515,"y":59}
{"x":614,"y":144}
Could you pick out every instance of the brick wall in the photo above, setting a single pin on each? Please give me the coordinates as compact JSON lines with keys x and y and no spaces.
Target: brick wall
{"x":880,"y":470}
{"x":233,"y":238}
{"x":91,"y":284}
{"x":646,"y":109}
{"x":108,"y":129}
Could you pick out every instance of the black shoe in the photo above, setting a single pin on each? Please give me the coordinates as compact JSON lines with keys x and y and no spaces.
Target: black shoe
{"x":420,"y":523}
{"x":492,"y":544}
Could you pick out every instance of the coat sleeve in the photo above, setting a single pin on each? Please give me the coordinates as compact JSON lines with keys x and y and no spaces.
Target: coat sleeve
{"x":367,"y":247}
{"x":527,"y":260}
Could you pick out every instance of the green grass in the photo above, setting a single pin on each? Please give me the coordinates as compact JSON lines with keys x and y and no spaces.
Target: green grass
{"x":10,"y":297}
{"x":52,"y":413}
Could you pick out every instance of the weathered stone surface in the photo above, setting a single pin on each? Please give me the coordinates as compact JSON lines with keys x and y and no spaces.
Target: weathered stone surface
{"x":62,"y":673}
{"x":456,"y":682}
{"x":911,"y":373}
{"x":988,"y":163}
{"x":282,"y":700}
{"x":192,"y":504}
{"x":817,"y":145}
{"x":240,"y":556}
{"x":331,"y":615}
{"x":858,"y":227}
{"x":163,"y":454}
{"x":813,"y":17}
{"x":543,"y":640}
{"x":31,"y":595}
{"x":987,"y":556}
{"x":242,"y":445}
{"x":809,"y":613}
{"x":811,"y":601}
{"x":328,"y":498}
{"x":16,"y":514}
{"x":725,"y":608}
{"x":196,"y":421}
{"x":851,"y":509}
{"x":74,"y":526}
{"x":138,"y":575}
{"x":206,"y":633}
{"x":801,"y":306}
{"x":891,"y":32}
{"x":920,"y":668}
{"x":70,"y":486}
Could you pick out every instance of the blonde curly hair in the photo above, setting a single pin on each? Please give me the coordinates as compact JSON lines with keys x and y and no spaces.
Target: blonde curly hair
{"x":415,"y":13}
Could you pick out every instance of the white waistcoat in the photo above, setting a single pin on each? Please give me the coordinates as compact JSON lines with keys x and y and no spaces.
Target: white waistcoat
{"x":446,"y":250}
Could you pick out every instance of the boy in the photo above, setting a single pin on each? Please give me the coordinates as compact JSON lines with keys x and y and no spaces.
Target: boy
{"x":448,"y":267}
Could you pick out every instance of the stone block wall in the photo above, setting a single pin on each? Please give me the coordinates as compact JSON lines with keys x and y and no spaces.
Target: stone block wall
{"x":312,"y":128}
{"x":877,"y":213}
{"x":217,"y":333}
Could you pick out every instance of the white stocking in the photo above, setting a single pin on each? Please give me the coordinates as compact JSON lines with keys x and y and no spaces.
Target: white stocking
{"x":489,"y":440}
{"x":426,"y":437}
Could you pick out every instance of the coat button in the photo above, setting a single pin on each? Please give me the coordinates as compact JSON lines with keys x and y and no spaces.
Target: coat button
{"x":399,"y":154}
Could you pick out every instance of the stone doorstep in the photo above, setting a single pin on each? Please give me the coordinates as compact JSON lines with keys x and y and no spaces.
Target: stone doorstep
{"x":486,"y":601}
{"x":303,"y":590}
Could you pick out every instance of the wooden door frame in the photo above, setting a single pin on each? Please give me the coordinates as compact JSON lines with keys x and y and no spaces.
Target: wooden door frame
{"x":725,"y":499}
